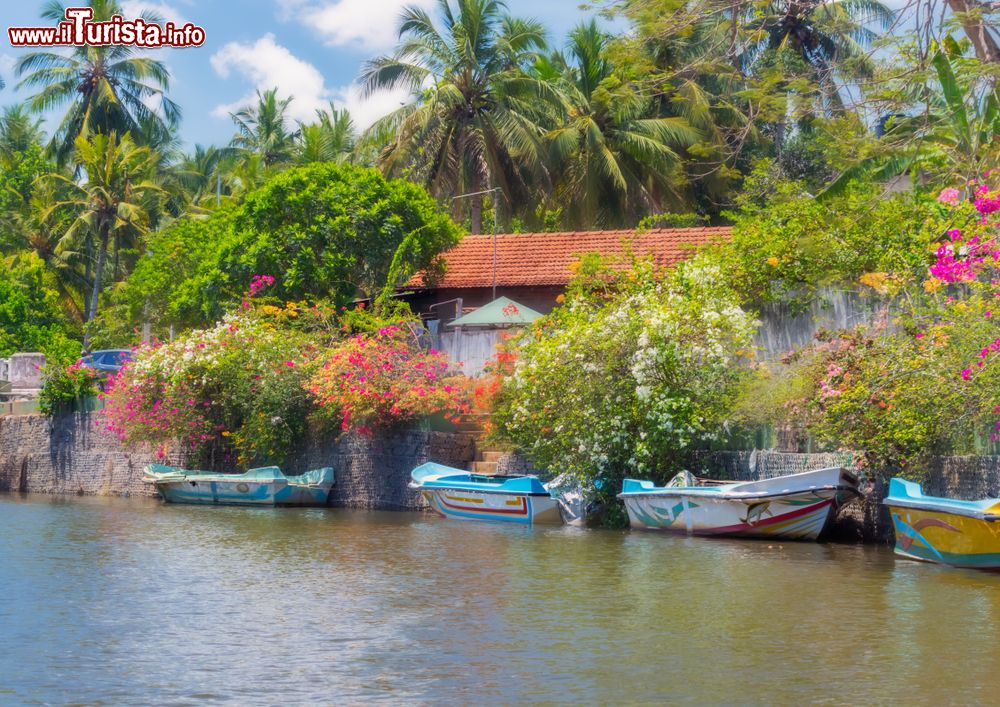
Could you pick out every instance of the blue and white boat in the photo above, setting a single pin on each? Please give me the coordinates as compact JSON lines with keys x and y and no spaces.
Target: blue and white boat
{"x":454,"y":493}
{"x":265,"y":486}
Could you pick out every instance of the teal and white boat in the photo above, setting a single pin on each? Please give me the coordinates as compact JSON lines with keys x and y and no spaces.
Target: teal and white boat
{"x":455,"y":493}
{"x":797,"y":506}
{"x":265,"y":486}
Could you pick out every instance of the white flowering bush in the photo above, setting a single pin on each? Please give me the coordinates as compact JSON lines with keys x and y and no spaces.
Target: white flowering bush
{"x":625,"y":376}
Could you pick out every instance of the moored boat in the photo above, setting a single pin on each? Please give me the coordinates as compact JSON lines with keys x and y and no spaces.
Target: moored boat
{"x":793,"y":507}
{"x":944,"y":530}
{"x":454,"y":493}
{"x":265,"y":486}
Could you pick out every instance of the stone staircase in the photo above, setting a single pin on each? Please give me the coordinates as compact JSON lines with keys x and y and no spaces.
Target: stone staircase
{"x":487,"y":461}
{"x":487,"y":458}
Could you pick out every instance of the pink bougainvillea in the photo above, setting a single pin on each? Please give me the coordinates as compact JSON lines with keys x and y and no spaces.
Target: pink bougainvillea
{"x":372,"y":381}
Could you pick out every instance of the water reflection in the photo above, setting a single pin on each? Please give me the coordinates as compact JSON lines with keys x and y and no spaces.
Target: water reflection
{"x":113,"y":601}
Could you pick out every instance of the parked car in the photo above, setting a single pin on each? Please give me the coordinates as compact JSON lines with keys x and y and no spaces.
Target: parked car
{"x":107,"y":361}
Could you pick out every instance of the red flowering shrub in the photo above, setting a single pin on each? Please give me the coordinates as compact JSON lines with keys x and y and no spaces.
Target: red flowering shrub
{"x":381,"y":379}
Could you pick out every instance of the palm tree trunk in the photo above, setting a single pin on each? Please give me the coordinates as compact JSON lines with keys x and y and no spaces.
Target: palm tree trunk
{"x":476,"y":215}
{"x":118,"y":246}
{"x":102,"y":256}
{"x":977,"y":31}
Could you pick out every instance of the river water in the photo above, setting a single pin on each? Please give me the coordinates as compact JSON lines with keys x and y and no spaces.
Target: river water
{"x":118,"y":601}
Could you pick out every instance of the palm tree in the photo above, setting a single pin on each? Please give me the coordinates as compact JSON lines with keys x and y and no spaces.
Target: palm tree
{"x":820,"y":36}
{"x":200,"y":175}
{"x":109,"y":88}
{"x":113,"y":205}
{"x":331,"y":139}
{"x":263,"y":129}
{"x":42,"y":229}
{"x":804,"y":47}
{"x":474,"y":119}
{"x":617,"y":158}
{"x":19,"y":130}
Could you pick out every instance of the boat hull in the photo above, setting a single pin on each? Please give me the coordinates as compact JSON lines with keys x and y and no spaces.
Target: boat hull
{"x":801,"y":516}
{"x":465,"y":504}
{"x":241,"y":493}
{"x":266,"y":486}
{"x":946,"y":538}
{"x":944,"y":530}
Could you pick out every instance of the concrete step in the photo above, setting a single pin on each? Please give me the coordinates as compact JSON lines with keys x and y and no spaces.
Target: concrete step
{"x":484,"y":468}
{"x":490,"y":455}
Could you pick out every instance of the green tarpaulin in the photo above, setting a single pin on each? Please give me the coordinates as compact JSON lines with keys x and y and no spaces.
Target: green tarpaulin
{"x":500,"y":311}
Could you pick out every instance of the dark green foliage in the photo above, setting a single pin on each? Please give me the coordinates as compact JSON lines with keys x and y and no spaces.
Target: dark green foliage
{"x":323,"y":231}
{"x":327,"y":230}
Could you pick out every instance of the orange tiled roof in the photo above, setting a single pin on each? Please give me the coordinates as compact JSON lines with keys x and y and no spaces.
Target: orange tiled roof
{"x":525,"y":259}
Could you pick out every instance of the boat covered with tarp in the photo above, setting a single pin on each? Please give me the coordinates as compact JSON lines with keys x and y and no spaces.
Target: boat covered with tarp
{"x":265,"y":486}
{"x":454,"y":493}
{"x":944,"y":530}
{"x":794,"y":507}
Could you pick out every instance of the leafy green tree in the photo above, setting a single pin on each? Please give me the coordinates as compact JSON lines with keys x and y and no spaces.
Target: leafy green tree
{"x":323,"y":231}
{"x":108,"y":88}
{"x":617,"y":159}
{"x":114,"y":203}
{"x":475,"y":119}
{"x":326,"y":230}
{"x":786,"y":244}
{"x":31,"y":317}
{"x":167,"y":286}
{"x":948,"y":132}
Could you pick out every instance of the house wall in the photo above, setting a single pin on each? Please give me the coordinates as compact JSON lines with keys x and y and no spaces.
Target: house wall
{"x":539,"y":298}
{"x":784,"y":328}
{"x":472,"y":347}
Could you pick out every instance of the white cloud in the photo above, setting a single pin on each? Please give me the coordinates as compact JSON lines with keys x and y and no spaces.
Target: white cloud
{"x":134,"y":8}
{"x":365,"y":111}
{"x":367,"y":25}
{"x":267,"y":64}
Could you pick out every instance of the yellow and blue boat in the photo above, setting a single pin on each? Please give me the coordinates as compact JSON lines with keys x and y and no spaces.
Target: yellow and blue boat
{"x":944,"y":530}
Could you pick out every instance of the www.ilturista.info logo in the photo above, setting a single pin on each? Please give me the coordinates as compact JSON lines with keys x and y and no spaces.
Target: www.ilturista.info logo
{"x":79,"y":30}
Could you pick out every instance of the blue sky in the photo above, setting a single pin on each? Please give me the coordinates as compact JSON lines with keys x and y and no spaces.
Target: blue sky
{"x":311,"y":49}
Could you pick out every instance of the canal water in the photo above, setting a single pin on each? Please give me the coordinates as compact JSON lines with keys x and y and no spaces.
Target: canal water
{"x":117,"y":601}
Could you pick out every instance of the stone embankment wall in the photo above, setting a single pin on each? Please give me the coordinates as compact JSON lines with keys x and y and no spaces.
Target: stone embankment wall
{"x":68,"y":455}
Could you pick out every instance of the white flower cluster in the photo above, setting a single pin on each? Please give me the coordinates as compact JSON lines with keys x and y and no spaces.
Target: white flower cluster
{"x":613,"y":385}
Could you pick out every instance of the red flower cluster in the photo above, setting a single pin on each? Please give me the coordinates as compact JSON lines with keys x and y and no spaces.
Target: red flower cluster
{"x":379,"y":380}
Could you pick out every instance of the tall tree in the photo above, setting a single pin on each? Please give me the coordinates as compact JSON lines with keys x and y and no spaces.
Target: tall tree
{"x":262,"y":129}
{"x":330,"y":139}
{"x":113,"y":203}
{"x":979,"y":20}
{"x":473,"y":123}
{"x":617,"y":158}
{"x":108,"y":88}
{"x":947,"y":130}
